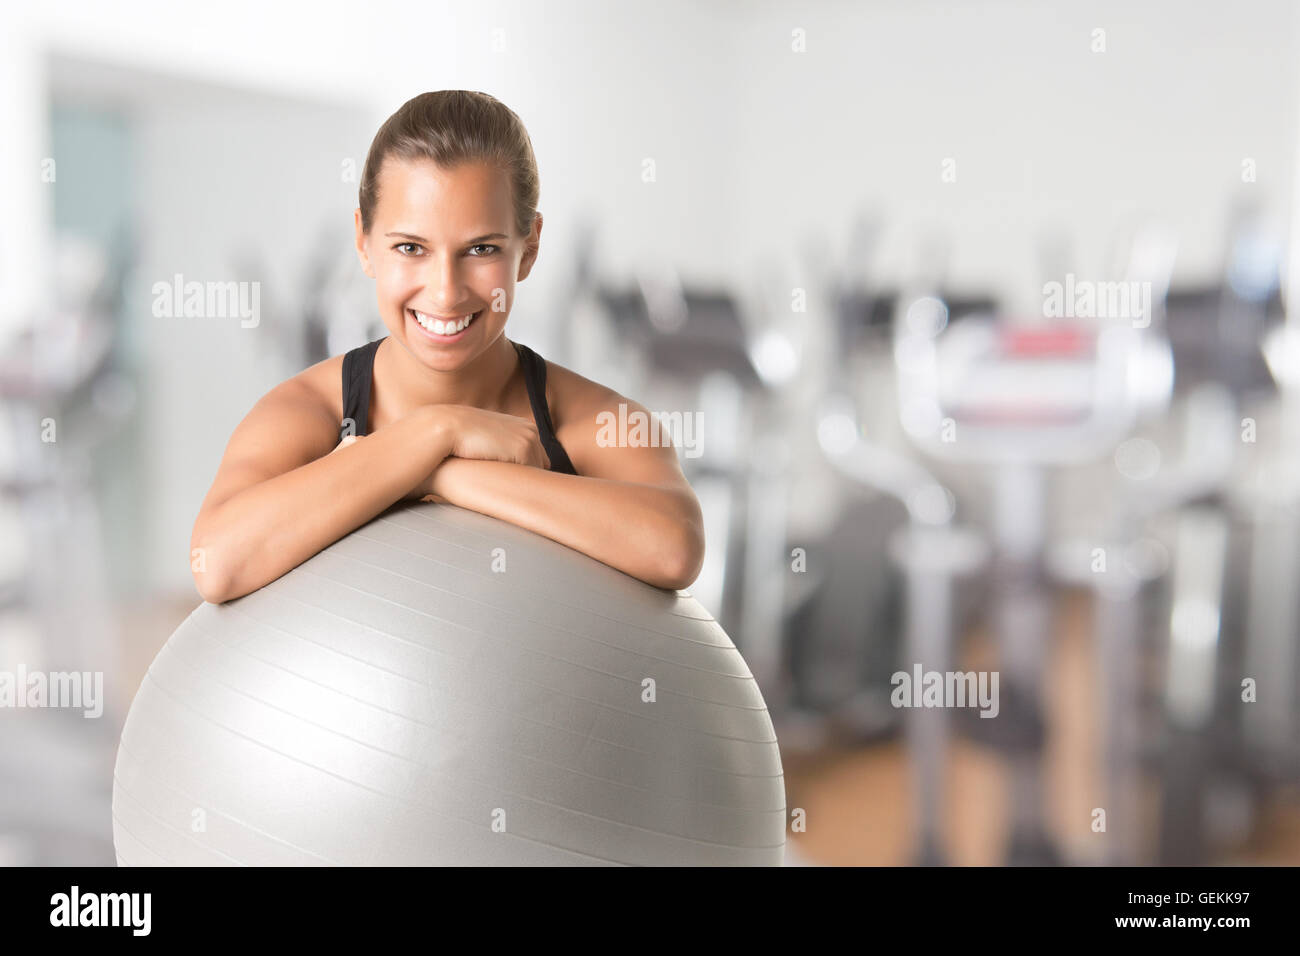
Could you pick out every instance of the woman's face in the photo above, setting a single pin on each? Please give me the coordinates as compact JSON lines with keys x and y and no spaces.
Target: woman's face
{"x":442,"y":247}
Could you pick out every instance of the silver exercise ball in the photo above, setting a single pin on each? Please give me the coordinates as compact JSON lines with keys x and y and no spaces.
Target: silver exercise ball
{"x":443,"y":688}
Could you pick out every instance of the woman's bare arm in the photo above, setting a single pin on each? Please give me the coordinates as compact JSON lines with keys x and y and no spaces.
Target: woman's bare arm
{"x":280,"y":497}
{"x":630,"y":507}
{"x":652,"y":532}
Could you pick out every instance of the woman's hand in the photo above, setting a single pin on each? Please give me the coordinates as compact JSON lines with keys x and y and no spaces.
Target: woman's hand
{"x":487,"y":436}
{"x":492,"y":436}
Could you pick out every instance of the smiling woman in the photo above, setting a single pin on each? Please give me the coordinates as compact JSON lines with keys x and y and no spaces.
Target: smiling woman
{"x":450,"y":408}
{"x":440,"y":270}
{"x":477,"y":611}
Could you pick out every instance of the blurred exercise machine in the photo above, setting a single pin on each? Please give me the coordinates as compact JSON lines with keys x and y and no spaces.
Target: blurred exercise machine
{"x":1233,"y":612}
{"x":63,"y":402}
{"x":1019,"y":398}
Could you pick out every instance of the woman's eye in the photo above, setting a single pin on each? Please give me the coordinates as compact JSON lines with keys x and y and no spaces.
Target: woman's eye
{"x":402,"y":247}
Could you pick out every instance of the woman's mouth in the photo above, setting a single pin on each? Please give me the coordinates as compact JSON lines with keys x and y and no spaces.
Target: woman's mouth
{"x":440,"y":330}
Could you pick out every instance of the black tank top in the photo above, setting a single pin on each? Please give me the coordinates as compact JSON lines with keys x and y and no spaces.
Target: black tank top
{"x":358,"y":374}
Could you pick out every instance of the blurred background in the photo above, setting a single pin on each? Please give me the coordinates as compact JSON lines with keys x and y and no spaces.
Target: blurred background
{"x":985,"y":310}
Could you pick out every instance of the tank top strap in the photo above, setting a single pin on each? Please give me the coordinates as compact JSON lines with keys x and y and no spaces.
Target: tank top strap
{"x":358,"y":380}
{"x":358,"y":376}
{"x":535,"y":377}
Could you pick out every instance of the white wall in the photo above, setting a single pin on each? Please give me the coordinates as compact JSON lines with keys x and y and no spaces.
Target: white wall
{"x":1045,"y":133}
{"x":758,"y":147}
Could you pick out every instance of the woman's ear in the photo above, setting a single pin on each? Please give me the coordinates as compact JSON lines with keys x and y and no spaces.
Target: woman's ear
{"x":531,"y":246}
{"x":362,"y":252}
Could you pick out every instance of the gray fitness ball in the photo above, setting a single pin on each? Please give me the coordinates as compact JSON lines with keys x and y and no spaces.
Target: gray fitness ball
{"x":440,"y":687}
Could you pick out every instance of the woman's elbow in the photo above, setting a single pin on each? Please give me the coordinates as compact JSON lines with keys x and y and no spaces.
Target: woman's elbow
{"x":210,"y":577}
{"x":682,"y":563}
{"x":211,"y":590}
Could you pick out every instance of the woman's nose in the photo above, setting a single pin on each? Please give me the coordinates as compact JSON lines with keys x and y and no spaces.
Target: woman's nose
{"x":446,"y":284}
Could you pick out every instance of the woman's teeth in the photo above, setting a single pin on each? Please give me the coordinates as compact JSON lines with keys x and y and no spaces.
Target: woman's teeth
{"x":439,"y":327}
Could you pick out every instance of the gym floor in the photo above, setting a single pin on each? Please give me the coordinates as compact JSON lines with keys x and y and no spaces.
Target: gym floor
{"x":859,"y":808}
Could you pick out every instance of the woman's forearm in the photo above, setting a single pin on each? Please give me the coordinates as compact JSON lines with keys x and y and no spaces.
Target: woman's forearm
{"x":654,"y":534}
{"x":273,"y":526}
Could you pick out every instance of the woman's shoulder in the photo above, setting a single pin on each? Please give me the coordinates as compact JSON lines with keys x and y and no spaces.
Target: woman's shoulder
{"x":589,"y":410}
{"x":322,"y":383}
{"x":578,"y":400}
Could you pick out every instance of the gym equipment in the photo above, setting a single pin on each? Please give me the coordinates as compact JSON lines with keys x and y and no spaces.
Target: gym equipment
{"x":932,"y":552}
{"x":846,"y":631}
{"x":1269,"y":501}
{"x":56,"y":596}
{"x":1018,"y":398}
{"x":1233,"y":607}
{"x":1142,"y":582}
{"x":440,"y":687}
